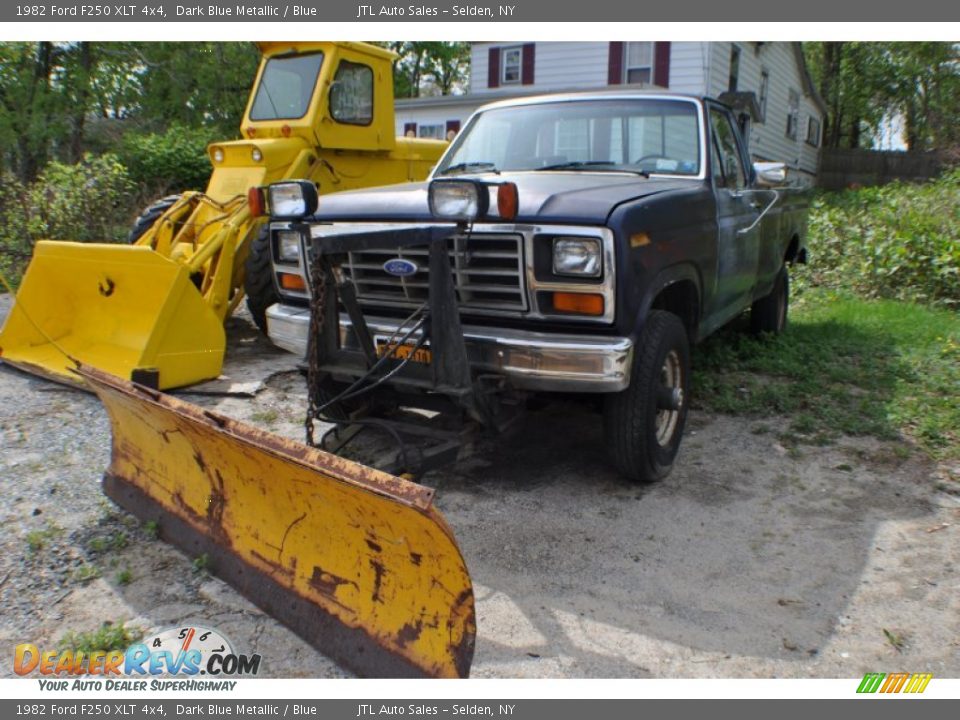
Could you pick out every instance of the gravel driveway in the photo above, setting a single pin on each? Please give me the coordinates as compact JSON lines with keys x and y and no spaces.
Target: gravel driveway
{"x":750,"y":560}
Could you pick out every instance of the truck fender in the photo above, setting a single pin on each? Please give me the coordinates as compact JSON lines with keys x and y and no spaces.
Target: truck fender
{"x":685,"y":302}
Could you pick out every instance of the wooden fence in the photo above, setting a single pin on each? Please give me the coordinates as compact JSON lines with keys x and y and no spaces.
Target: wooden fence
{"x":840,"y":168}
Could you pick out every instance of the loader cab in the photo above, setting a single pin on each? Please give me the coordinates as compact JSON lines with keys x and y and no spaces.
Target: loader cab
{"x":333,"y":95}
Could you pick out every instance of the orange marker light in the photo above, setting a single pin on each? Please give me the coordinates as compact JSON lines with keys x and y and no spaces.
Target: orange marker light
{"x":292,"y":282}
{"x":508,"y":201}
{"x":256,"y":202}
{"x":579,"y":303}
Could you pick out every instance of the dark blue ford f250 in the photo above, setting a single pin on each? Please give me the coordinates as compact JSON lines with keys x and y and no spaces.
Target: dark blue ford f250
{"x":590,"y":238}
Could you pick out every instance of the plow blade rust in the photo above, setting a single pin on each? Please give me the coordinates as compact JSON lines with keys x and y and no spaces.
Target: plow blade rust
{"x":122,"y":308}
{"x":356,"y":561}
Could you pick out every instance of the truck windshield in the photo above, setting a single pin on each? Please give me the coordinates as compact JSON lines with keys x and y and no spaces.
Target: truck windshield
{"x":286,"y":87}
{"x":655,"y":136}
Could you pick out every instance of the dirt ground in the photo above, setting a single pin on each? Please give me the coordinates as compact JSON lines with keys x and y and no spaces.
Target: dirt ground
{"x":750,"y":560}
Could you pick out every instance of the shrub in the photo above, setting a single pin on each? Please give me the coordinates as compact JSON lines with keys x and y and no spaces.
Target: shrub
{"x":86,"y":202}
{"x":898,"y":241}
{"x":171,"y":161}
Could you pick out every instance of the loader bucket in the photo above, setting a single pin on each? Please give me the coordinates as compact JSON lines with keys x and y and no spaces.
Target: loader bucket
{"x":122,"y":308}
{"x":356,"y":561}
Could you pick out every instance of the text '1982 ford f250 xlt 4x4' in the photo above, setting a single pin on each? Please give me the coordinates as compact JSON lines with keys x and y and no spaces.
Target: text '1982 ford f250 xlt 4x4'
{"x":570,"y":243}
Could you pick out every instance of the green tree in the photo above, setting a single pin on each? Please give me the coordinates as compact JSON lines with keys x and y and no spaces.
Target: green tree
{"x":429,"y":68}
{"x":865,"y":82}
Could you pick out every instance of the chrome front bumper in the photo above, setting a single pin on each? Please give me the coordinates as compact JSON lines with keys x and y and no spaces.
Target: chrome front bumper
{"x":532,"y":360}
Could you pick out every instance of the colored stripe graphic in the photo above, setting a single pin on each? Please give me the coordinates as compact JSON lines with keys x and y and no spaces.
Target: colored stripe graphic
{"x":894,"y":682}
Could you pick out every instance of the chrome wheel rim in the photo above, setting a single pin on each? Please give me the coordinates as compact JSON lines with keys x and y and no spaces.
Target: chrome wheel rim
{"x":671,"y":380}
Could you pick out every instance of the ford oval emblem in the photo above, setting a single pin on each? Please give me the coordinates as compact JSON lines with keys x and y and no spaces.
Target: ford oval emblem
{"x":400,"y":267}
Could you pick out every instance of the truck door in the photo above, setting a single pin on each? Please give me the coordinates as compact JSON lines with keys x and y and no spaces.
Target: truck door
{"x":737,"y":212}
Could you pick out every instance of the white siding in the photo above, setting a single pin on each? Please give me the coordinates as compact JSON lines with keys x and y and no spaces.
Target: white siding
{"x":557,"y":66}
{"x":434,"y":115}
{"x":768,"y":140}
{"x":688,"y":64}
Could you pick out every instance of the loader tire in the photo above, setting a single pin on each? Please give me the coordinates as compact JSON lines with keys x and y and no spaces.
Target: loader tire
{"x":149,"y":216}
{"x":258,"y":283}
{"x":769,"y":314}
{"x":643,"y":424}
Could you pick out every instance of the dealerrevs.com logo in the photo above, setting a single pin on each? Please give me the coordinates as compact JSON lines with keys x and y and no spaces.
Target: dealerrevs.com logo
{"x":186,"y":652}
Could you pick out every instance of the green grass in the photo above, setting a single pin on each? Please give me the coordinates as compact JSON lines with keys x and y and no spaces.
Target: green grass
{"x":109,"y":636}
{"x":39,"y":539}
{"x":844,"y":366}
{"x":86,"y":572}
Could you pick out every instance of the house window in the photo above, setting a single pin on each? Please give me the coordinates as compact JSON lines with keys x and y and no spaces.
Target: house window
{"x":793,"y":115}
{"x":764,"y":91}
{"x":813,"y":131}
{"x":734,"y":68}
{"x":511,"y":66}
{"x":638,"y":63}
{"x":434,"y":132}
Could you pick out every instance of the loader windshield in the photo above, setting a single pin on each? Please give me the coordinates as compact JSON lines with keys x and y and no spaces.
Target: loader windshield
{"x":286,"y":87}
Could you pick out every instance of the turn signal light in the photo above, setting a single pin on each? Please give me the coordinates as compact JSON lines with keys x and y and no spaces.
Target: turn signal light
{"x":507,"y":201}
{"x":292,"y":282}
{"x":579,"y":303}
{"x":255,"y":200}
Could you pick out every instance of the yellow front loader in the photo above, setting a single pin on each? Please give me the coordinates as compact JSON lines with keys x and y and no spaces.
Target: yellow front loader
{"x":153,"y":311}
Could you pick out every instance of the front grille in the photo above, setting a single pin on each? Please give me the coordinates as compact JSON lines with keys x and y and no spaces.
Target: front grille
{"x":487,"y":273}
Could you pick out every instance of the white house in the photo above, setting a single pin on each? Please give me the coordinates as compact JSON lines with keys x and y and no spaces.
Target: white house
{"x":771,"y":77}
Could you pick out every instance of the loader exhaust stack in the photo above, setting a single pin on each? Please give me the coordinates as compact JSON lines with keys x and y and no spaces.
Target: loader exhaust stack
{"x":356,"y":561}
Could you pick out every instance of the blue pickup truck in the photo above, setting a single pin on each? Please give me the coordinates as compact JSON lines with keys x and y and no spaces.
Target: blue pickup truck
{"x":591,"y":239}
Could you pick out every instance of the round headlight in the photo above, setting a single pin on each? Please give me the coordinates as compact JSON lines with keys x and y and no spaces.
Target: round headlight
{"x":576,"y":256}
{"x":256,"y":155}
{"x":218,"y":155}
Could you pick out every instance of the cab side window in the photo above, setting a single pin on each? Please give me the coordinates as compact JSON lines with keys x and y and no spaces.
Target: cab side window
{"x":351,"y":95}
{"x":728,"y":170}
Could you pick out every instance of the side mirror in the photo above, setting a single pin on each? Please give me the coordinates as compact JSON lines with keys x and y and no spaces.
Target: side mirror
{"x":770,"y":174}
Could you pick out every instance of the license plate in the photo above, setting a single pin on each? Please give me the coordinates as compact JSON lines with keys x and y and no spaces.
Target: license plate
{"x":404,"y":351}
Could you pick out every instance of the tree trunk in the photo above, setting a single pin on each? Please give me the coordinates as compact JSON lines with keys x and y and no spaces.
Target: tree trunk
{"x":32,"y":140}
{"x":78,"y":115}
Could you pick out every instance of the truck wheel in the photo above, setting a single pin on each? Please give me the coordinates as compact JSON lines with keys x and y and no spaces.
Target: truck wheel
{"x":769,"y":314}
{"x":149,"y":216}
{"x":258,"y":282}
{"x":644,"y":423}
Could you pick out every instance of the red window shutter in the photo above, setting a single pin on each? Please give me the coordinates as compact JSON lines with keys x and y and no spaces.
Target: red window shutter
{"x":661,"y":64}
{"x":526,"y":74}
{"x":615,"y":64}
{"x":453,"y":125}
{"x":409,"y":128}
{"x":493,"y":68}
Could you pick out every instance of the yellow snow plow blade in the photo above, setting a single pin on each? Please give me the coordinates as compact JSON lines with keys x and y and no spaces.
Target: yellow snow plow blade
{"x":356,"y":561}
{"x":125,"y":309}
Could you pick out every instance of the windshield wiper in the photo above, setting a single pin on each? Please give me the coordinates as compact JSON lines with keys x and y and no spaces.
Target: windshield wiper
{"x":582,"y":164}
{"x":468,"y":166}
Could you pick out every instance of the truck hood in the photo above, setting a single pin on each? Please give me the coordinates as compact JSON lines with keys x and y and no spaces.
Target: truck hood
{"x":558,"y":197}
